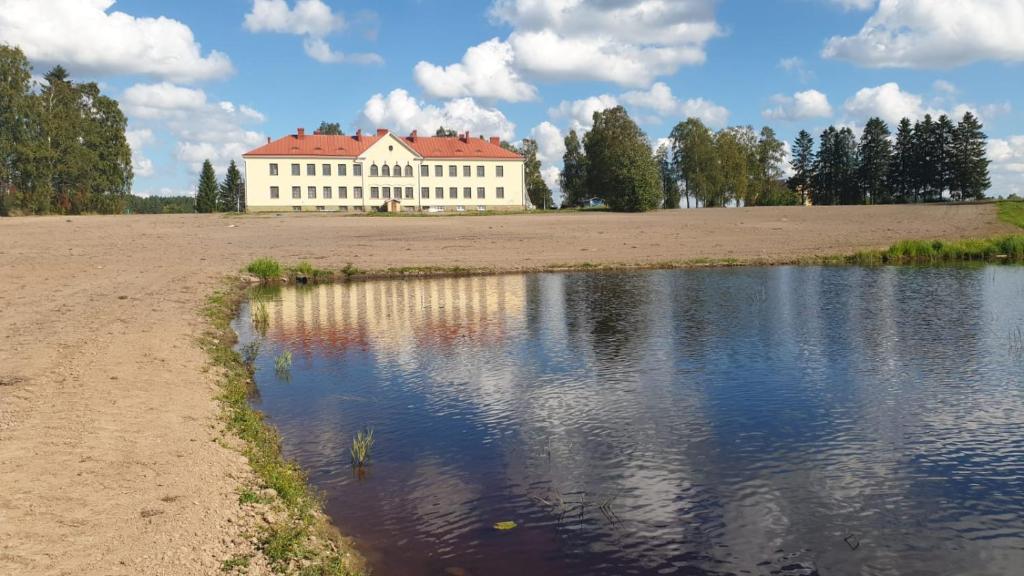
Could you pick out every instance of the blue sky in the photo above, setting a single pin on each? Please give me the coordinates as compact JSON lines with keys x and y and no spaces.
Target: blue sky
{"x":202,"y":79}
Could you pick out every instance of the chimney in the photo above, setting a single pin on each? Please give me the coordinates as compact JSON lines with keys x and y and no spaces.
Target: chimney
{"x":302,"y":133}
{"x":382,"y":131}
{"x":464,"y":137}
{"x":268,"y":139}
{"x":359,"y":135}
{"x":495,"y":140}
{"x":412,"y":137}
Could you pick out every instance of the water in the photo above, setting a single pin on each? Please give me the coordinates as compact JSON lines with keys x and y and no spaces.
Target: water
{"x":735,"y":421}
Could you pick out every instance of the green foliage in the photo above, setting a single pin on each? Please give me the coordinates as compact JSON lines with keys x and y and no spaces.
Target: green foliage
{"x":536,"y":188}
{"x":802,"y":164}
{"x":669,"y":186}
{"x":235,"y":562}
{"x":1012,"y":211}
{"x":265,"y":269}
{"x":876,"y":158}
{"x":206,"y":193}
{"x":620,"y":167}
{"x":230,"y":192}
{"x":362,"y":443}
{"x":969,"y":177}
{"x":767,"y":185}
{"x":446,"y":132}
{"x":835,"y":168}
{"x":283,"y":363}
{"x":160,"y":205}
{"x":330,"y":129}
{"x":999,"y":249}
{"x":694,"y":160}
{"x":574,"y":172}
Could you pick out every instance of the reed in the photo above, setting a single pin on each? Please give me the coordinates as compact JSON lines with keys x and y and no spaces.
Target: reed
{"x":283,"y":363}
{"x":362,"y":442}
{"x":265,"y":269}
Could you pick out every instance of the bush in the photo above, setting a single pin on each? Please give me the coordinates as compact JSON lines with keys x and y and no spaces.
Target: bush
{"x":264,"y":268}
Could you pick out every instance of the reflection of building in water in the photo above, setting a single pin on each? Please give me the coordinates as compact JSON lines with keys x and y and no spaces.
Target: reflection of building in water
{"x":396,"y":316}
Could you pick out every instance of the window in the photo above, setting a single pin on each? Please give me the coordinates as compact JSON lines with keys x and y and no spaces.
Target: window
{"x":357,"y":192}
{"x":357,"y":169}
{"x":385,"y":170}
{"x":275,"y":192}
{"x":467,"y":192}
{"x":424,"y":170}
{"x":481,"y":208}
{"x":295,"y":170}
{"x":311,"y":192}
{"x":460,"y":208}
{"x":453,"y":192}
{"x":424,"y":192}
{"x":342,"y":191}
{"x":499,"y":171}
{"x":453,"y":171}
{"x":273,"y":169}
{"x":408,"y":170}
{"x":321,"y":208}
{"x":408,"y":193}
{"x":325,"y":169}
{"x":296,"y":192}
{"x":480,"y":172}
{"x":342,"y":170}
{"x":397,"y":171}
{"x":500,"y":193}
{"x":439,"y":193}
{"x":296,"y":208}
{"x":374,"y":171}
{"x":438,"y":171}
{"x":310,"y":169}
{"x":374,"y":192}
{"x":480,"y":194}
{"x":328,"y":193}
{"x":467,"y":171}
{"x":387,"y":192}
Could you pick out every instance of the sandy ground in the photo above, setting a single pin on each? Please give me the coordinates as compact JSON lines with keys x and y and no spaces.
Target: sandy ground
{"x":108,"y":458}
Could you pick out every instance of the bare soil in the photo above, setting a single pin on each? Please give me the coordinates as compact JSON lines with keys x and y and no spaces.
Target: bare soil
{"x":112,"y":459}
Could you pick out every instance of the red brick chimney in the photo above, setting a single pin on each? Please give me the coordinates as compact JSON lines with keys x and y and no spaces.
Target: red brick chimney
{"x":382,"y":131}
{"x":359,"y":135}
{"x":412,"y":137}
{"x":495,"y":140}
{"x":464,"y":137}
{"x":268,"y":139}
{"x":302,"y":133}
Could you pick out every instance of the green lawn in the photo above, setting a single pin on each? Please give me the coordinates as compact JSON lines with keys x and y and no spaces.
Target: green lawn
{"x":1012,"y":212}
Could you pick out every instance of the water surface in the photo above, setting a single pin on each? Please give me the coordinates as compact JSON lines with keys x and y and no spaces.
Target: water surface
{"x":735,"y":421}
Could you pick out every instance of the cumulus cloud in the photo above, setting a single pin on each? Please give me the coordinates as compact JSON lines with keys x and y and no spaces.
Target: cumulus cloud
{"x":580,"y":113}
{"x":218,"y":131}
{"x":137,"y":139}
{"x":87,"y":37}
{"x":485,"y":72}
{"x":935,"y":34}
{"x":550,"y":143}
{"x":1007,"y":169}
{"x":661,"y":100}
{"x":402,"y":112}
{"x":799,"y":106}
{"x":855,"y":4}
{"x":891,"y":103}
{"x":795,"y":65}
{"x":312,"y":19}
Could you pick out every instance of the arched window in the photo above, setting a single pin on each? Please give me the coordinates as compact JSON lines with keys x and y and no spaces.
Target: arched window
{"x":373,"y":170}
{"x":408,"y":170}
{"x":398,"y":170}
{"x":386,"y":170}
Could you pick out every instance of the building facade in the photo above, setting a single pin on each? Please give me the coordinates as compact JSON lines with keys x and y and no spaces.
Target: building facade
{"x":361,"y":173}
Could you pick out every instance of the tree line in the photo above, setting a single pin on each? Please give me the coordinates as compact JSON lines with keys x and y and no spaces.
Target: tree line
{"x":62,"y":147}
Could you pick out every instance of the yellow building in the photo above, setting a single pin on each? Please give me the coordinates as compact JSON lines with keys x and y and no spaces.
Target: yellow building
{"x":360,"y":173}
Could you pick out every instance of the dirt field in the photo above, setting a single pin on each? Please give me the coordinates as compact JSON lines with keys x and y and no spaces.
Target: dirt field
{"x":108,"y":463}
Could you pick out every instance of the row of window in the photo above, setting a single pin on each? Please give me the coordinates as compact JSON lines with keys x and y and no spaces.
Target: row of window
{"x":404,"y":208}
{"x":377,"y":192}
{"x":385,"y":170}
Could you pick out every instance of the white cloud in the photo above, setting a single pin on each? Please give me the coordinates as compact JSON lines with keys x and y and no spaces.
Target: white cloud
{"x":888,"y":102}
{"x":217,"y":131}
{"x":800,"y":106}
{"x":137,"y":139}
{"x":580,"y":113}
{"x":796,"y":65}
{"x":551,"y":176}
{"x":312,"y":19}
{"x":85,"y":36}
{"x":550,"y":143}
{"x":935,"y":34}
{"x":658,"y":98}
{"x":1007,"y":169}
{"x":944,"y":87}
{"x":855,"y":4}
{"x":404,"y":113}
{"x":628,"y":42}
{"x":485,"y":72}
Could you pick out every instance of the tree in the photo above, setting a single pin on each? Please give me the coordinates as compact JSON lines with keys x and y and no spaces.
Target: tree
{"x":925,"y":176}
{"x":206,"y":193}
{"x":693,"y":158}
{"x":574,"y":172}
{"x":901,"y":174}
{"x":945,"y":133}
{"x":876,"y":159}
{"x":620,"y":167}
{"x":835,"y":168}
{"x":734,"y":158}
{"x":228,"y":195}
{"x":969,"y":174}
{"x":669,"y":186}
{"x":446,"y":133}
{"x":330,"y":129}
{"x":767,"y":186}
{"x":536,"y":188}
{"x":803,"y":165}
{"x":15,"y":118}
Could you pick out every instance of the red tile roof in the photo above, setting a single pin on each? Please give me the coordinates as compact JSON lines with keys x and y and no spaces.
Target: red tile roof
{"x":352,"y":146}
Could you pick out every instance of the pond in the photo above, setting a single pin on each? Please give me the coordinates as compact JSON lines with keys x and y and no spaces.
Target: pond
{"x":794,"y":420}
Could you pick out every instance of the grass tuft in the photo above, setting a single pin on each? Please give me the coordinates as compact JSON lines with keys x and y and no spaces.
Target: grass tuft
{"x":283,"y":362}
{"x":266,"y":269}
{"x":362,"y":442}
{"x":999,"y":249}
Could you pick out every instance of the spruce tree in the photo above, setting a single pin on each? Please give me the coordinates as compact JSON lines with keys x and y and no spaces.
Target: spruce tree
{"x":823,"y":182}
{"x":574,"y":172}
{"x":970,"y":174}
{"x":206,"y":193}
{"x":901,"y":175}
{"x":803,"y":165}
{"x":945,"y":133}
{"x":228,"y":195}
{"x":875,"y":163}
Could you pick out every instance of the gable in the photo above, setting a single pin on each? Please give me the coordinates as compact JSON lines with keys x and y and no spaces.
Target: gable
{"x":391,"y":149}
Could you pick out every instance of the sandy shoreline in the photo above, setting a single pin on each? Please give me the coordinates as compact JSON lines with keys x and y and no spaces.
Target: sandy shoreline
{"x":108,"y":421}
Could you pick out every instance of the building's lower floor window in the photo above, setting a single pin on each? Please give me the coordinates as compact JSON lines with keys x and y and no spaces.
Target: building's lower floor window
{"x":321,"y":208}
{"x":387,"y":192}
{"x":358,"y":209}
{"x":408,"y":193}
{"x":357,"y":192}
{"x":480,"y":193}
{"x":275,"y":192}
{"x":424,"y":192}
{"x":481,"y":208}
{"x":342,"y":192}
{"x":500,"y":193}
{"x":328,"y":193}
{"x":296,"y":208}
{"x":453,"y":192}
{"x":311,"y":192}
{"x":460,"y":208}
{"x":439,"y":193}
{"x":467,"y":192}
{"x":296,"y":192}
{"x":342,"y":208}
{"x":374,"y":192}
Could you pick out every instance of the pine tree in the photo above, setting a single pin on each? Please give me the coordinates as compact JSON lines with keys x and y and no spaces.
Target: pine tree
{"x":574,"y":172}
{"x":206,"y":193}
{"x":876,"y":160}
{"x":901,"y":175}
{"x":228,"y":195}
{"x":803,"y":165}
{"x":620,"y":167}
{"x":970,"y":174}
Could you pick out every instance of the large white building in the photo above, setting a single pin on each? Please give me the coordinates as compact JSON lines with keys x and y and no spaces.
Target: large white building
{"x":360,"y":173}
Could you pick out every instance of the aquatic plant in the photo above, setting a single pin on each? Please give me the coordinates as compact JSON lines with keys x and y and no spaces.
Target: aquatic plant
{"x":260,"y":315}
{"x":362,"y":442}
{"x":283,"y":362}
{"x":265,"y":269}
{"x":250,"y":351}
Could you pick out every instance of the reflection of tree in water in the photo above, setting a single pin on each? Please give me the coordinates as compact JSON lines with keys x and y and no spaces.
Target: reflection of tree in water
{"x":605,"y":314}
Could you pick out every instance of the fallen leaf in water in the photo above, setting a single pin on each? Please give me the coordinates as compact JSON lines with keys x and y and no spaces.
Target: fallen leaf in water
{"x":506,"y":525}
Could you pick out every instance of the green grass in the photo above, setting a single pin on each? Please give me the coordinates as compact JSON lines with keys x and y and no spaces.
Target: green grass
{"x":999,"y":249}
{"x":266,"y":269}
{"x":362,"y":442}
{"x":283,"y":363}
{"x":235,"y":562}
{"x":307,"y":272}
{"x":304,"y":533}
{"x":1012,"y":211}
